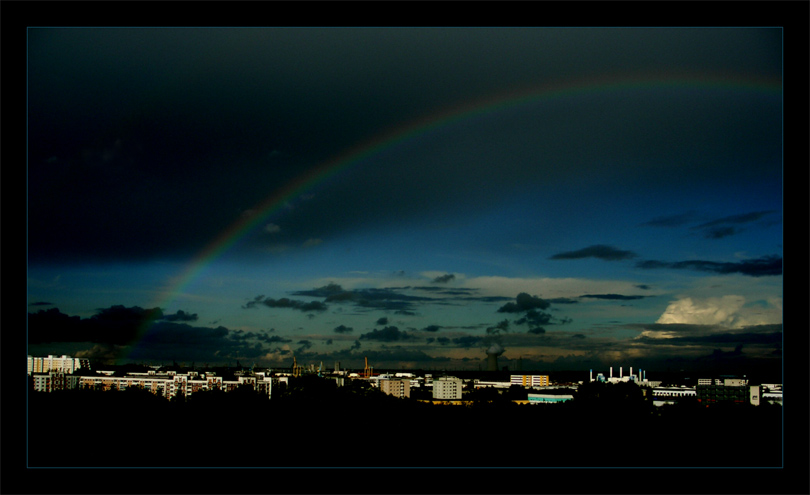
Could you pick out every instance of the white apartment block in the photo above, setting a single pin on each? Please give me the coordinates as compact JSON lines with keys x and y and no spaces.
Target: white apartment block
{"x":397,"y":388}
{"x":54,"y":380}
{"x":447,"y":388}
{"x":65,"y":364}
{"x":726,"y":382}
{"x":167,"y":384}
{"x":530,"y":380}
{"x":674,"y":392}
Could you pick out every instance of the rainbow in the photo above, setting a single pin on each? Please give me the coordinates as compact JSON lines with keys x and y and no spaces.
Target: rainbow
{"x":446,"y":117}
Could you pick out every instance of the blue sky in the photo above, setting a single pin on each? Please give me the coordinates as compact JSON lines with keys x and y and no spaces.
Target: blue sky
{"x":637,"y":226}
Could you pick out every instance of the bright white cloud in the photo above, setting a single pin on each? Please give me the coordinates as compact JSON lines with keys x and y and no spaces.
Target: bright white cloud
{"x":730,"y":311}
{"x":712,"y":311}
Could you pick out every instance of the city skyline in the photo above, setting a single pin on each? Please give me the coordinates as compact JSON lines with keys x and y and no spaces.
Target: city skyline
{"x":573,"y":197}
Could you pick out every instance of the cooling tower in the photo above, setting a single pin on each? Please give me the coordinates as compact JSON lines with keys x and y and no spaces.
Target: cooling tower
{"x":493,"y":352}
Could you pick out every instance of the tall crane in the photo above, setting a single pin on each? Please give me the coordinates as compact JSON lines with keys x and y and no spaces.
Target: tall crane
{"x":367,"y":370}
{"x":296,"y":371}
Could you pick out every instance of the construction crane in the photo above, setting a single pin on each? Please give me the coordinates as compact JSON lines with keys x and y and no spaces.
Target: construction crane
{"x":367,"y":371}
{"x":296,"y":371}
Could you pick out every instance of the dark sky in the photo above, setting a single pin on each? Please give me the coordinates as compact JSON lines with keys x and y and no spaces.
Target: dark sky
{"x":142,"y":133}
{"x":631,"y":178}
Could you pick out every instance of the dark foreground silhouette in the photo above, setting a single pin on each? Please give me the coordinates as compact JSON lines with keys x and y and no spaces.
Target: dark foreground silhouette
{"x":312,"y":423}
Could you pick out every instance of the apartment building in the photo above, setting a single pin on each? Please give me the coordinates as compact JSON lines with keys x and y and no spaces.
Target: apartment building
{"x":447,"y":388}
{"x":397,"y":387}
{"x":171,"y":383}
{"x":64,"y":363}
{"x":726,"y":390}
{"x":54,"y":380}
{"x":530,"y":380}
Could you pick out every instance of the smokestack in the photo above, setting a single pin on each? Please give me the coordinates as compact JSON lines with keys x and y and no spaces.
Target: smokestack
{"x":620,"y":372}
{"x":611,"y":371}
{"x":591,"y":375}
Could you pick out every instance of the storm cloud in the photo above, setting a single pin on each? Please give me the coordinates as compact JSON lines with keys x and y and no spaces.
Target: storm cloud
{"x":143,"y":334}
{"x":117,"y":324}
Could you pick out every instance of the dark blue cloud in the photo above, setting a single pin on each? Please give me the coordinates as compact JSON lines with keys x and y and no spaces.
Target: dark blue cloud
{"x":756,"y":267}
{"x":180,"y":315}
{"x":672,"y":220}
{"x":600,"y":251}
{"x":524,"y":302}
{"x":285,"y":302}
{"x":387,"y":334}
{"x":468,"y":341}
{"x":443,"y":279}
{"x":342,"y":329}
{"x":615,"y":297}
{"x":730,"y":225}
{"x":383,"y":299}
